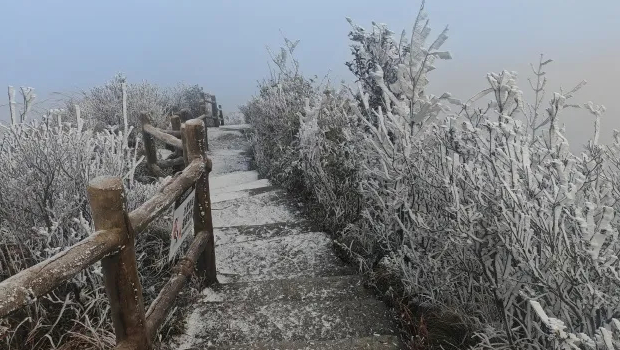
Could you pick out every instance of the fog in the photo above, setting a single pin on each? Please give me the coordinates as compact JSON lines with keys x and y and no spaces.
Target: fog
{"x":67,"y":46}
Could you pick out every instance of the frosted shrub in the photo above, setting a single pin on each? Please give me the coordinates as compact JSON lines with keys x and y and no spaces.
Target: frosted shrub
{"x":43,"y":210}
{"x":102,"y":105}
{"x":235,"y":117}
{"x":329,"y":159}
{"x":480,"y":216}
{"x":484,"y":212}
{"x":274,"y":117}
{"x":186,"y":96}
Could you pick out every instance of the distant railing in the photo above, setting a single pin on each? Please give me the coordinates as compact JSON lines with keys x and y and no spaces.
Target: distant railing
{"x":113,"y":243}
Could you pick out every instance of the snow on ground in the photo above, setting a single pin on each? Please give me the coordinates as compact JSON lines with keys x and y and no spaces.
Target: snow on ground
{"x":236,"y":127}
{"x":230,"y":179}
{"x":259,"y":209}
{"x":227,"y":161}
{"x":301,"y":255}
{"x":279,"y":279}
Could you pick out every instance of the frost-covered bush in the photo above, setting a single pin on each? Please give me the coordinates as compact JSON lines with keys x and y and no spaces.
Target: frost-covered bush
{"x":102,"y":106}
{"x":328,"y":158}
{"x":233,"y":118}
{"x":484,"y":212}
{"x":186,"y":97}
{"x":274,"y":115}
{"x":44,"y":209}
{"x":482,"y":217}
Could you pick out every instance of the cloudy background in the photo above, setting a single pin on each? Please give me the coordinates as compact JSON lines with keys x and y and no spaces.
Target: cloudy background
{"x":65,"y":46}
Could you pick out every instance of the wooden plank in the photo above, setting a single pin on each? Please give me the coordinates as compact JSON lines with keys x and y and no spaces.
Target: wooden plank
{"x":33,"y":282}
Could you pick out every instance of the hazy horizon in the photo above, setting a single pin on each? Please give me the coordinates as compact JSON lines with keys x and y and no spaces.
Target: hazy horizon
{"x":221,"y":45}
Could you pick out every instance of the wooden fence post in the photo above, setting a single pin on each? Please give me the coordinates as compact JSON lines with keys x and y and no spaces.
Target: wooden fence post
{"x":216,"y":114}
{"x":175,"y":122}
{"x":202,"y":103}
{"x":221,"y":116}
{"x":149,"y":146}
{"x":122,"y":283}
{"x":195,"y":148}
{"x":206,"y":98}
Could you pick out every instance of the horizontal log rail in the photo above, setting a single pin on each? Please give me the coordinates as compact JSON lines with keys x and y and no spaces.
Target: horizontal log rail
{"x":162,"y":136}
{"x":175,"y":133}
{"x":33,"y":282}
{"x":113,"y":242}
{"x":141,"y":217}
{"x":159,"y":308}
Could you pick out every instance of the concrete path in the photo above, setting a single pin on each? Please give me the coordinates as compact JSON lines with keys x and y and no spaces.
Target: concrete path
{"x":282,"y":286}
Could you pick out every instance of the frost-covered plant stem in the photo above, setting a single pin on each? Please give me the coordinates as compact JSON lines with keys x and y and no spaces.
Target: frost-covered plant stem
{"x":12,"y":104}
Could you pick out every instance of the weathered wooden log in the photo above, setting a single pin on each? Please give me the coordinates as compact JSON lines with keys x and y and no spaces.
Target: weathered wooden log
{"x":33,"y":282}
{"x":159,"y":308}
{"x":147,"y":139}
{"x":203,"y":221}
{"x":215,"y":112}
{"x":184,"y":144}
{"x":167,"y":163}
{"x":149,"y":210}
{"x":174,"y":133}
{"x":120,"y":271}
{"x":221,"y":114}
{"x":162,"y":136}
{"x":176,"y":122}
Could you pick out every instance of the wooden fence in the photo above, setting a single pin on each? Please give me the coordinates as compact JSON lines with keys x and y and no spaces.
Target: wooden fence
{"x":113,"y":243}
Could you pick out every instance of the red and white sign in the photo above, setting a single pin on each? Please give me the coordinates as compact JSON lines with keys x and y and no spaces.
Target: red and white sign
{"x":182,"y":221}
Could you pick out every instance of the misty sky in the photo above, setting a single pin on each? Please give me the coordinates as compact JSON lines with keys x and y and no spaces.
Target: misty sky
{"x":69,"y":45}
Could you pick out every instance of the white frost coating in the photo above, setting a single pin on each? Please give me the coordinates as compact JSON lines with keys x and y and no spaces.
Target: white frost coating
{"x":211,"y":296}
{"x":299,"y":255}
{"x":243,"y":186}
{"x":231,"y":179}
{"x":235,"y":127}
{"x":222,"y":197}
{"x":193,"y":325}
{"x":256,"y":210}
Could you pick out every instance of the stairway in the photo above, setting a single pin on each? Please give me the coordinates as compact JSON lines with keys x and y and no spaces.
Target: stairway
{"x":282,"y":286}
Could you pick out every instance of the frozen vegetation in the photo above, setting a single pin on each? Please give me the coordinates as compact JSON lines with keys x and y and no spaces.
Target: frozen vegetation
{"x":477,"y":208}
{"x":46,"y":164}
{"x":491,"y":233}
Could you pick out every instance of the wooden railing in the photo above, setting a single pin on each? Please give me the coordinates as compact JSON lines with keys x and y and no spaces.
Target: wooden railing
{"x":113,"y":244}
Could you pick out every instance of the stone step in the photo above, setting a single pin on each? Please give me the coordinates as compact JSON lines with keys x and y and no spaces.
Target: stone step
{"x":229,"y":160}
{"x":217,"y":324}
{"x":242,"y":190}
{"x":246,"y":233}
{"x":243,"y":186}
{"x":234,"y":178}
{"x":381,"y":342}
{"x":236,"y":127}
{"x":348,"y":287}
{"x":307,"y":254}
{"x":256,"y":209}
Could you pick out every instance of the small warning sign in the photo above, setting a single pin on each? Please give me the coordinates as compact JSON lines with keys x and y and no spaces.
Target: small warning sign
{"x":182,"y":221}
